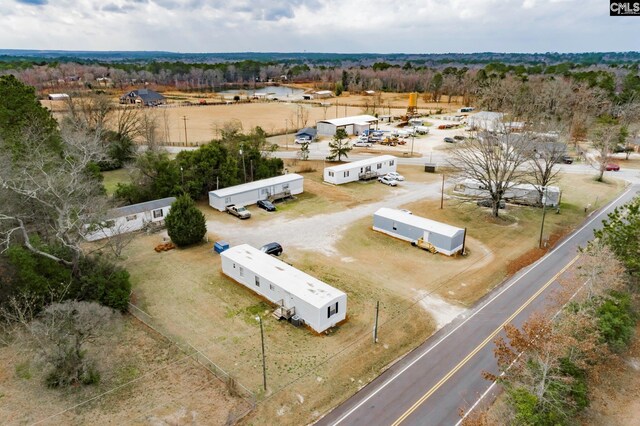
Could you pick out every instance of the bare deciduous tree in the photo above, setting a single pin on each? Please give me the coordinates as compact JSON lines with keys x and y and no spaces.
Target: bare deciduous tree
{"x":495,"y":161}
{"x":50,"y":194}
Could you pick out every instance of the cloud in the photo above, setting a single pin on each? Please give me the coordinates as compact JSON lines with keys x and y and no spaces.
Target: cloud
{"x":33,"y":2}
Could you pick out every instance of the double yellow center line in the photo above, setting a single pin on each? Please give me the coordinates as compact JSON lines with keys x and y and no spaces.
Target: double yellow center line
{"x":477,"y":349}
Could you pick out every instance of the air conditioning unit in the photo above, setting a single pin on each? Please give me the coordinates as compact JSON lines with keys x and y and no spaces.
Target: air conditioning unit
{"x":296,"y":320}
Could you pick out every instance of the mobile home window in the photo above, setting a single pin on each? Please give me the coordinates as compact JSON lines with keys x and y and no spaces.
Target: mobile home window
{"x":379,"y":165}
{"x":271,"y":287}
{"x":241,"y":271}
{"x":227,"y":200}
{"x":285,"y":186}
{"x":331,"y":174}
{"x":263,"y":191}
{"x":395,"y":226}
{"x":158,"y":213}
{"x":332,"y":310}
{"x":131,"y":217}
{"x":346,"y":174}
{"x":391,"y":162}
{"x":257,"y":281}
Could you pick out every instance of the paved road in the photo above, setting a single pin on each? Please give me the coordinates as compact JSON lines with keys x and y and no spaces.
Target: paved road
{"x":433,"y":382}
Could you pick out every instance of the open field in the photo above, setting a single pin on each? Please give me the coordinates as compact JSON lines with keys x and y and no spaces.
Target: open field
{"x":145,"y":380}
{"x":113,"y":177}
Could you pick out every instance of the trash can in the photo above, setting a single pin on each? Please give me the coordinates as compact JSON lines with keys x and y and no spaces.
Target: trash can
{"x":220,"y":246}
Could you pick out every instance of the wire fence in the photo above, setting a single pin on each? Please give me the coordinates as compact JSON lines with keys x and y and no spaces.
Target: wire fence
{"x":234,"y":386}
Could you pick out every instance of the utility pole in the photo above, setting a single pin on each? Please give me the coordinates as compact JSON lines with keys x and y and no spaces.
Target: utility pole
{"x":264,"y":363}
{"x":544,"y":211}
{"x":375,"y":326}
{"x":184,"y":118}
{"x":442,"y":193}
{"x":286,"y":136}
{"x":413,"y":136}
{"x":244,"y":169}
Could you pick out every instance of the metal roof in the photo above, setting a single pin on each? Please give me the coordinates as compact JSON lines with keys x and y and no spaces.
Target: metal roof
{"x":283,"y":275}
{"x":346,"y":121}
{"x":419,"y":222}
{"x":307,"y":131}
{"x":360,"y":163}
{"x":250,"y":186}
{"x":140,"y":207}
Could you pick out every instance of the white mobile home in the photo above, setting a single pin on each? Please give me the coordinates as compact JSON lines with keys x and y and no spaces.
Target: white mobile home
{"x":250,"y":193}
{"x":316,"y":303}
{"x":129,"y":218}
{"x":444,"y":238}
{"x":354,"y":125}
{"x":521,"y":193}
{"x":361,"y":169}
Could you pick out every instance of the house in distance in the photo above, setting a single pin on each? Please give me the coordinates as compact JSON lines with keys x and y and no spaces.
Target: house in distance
{"x":369,"y":168}
{"x":144,"y":97}
{"x":298,"y":296}
{"x":271,"y":189}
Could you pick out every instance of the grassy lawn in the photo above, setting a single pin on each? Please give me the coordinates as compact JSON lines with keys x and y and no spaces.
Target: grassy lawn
{"x":113,"y":177}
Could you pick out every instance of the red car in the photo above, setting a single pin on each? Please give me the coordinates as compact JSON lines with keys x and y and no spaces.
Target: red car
{"x":612,"y":167}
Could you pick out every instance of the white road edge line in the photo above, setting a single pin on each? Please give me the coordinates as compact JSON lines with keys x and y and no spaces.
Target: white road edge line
{"x":361,"y":403}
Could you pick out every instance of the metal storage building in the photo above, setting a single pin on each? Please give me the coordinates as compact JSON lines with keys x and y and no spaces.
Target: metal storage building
{"x":129,"y":219}
{"x":445,"y":238}
{"x":264,"y":189}
{"x":352,"y":125}
{"x":361,"y":169}
{"x":319,"y":305}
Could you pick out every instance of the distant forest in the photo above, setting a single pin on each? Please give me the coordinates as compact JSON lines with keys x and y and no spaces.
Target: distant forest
{"x":456,"y":74}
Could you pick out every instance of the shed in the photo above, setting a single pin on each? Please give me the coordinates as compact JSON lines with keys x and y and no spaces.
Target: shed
{"x":351,"y":125}
{"x":250,"y":193}
{"x":361,"y":169}
{"x":58,"y":97}
{"x":129,"y":219}
{"x":445,"y":238}
{"x":318,"y":304}
{"x":307,"y":133}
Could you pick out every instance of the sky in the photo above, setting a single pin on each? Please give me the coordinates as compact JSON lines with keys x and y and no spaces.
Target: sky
{"x":340,"y":26}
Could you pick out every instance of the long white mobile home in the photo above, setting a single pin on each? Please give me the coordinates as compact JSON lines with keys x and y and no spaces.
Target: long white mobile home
{"x":444,"y":238}
{"x":129,"y":218}
{"x":316,"y":303}
{"x":361,"y":169}
{"x":521,"y":193}
{"x":264,"y":189}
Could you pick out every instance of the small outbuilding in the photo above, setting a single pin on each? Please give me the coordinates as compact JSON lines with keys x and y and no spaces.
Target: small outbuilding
{"x":420,"y":231}
{"x":352,"y":125}
{"x":129,"y":219}
{"x":295,"y":293}
{"x":58,"y":97}
{"x":271,"y":189}
{"x":308,"y":133}
{"x":368,"y":168}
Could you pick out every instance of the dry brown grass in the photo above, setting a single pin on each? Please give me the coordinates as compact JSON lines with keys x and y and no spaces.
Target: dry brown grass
{"x":168,"y":385}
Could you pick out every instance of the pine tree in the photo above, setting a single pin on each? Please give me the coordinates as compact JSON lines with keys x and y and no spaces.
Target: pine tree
{"x":185,"y":223}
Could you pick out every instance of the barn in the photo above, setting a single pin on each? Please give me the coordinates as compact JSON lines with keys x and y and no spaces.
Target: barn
{"x":444,"y":238}
{"x":129,"y":219}
{"x":354,"y":125}
{"x":274,"y":188}
{"x":362,"y":169}
{"x":296,"y":294}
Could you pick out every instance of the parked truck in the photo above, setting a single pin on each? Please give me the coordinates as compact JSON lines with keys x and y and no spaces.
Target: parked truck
{"x":238,"y":211}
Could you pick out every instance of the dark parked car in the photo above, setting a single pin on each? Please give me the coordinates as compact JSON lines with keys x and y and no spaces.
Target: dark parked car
{"x":458,"y":138}
{"x":274,"y":249}
{"x":489,"y":203}
{"x":449,"y":140}
{"x":566,"y":159}
{"x":267,"y":205}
